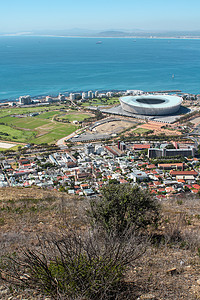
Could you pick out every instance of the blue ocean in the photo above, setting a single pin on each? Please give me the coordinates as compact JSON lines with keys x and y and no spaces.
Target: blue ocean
{"x":49,"y":65}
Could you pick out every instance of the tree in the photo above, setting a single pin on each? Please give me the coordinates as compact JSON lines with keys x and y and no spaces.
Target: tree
{"x":113,"y":181}
{"x":122,"y":207}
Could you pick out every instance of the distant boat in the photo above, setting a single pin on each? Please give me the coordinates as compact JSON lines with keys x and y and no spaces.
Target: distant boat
{"x":99,"y":42}
{"x":173,"y":76}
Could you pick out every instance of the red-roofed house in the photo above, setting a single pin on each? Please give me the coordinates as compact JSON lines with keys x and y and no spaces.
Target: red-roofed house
{"x":196,"y":186}
{"x":153,"y":192}
{"x":123,"y":181}
{"x":151,"y":166}
{"x":141,"y":146}
{"x":171,"y":166}
{"x":181,"y":180}
{"x":189,"y":186}
{"x":195,"y":191}
{"x":157,"y":183}
{"x":186,"y":175}
{"x":24,"y":163}
{"x":84,"y":186}
{"x":169,"y":189}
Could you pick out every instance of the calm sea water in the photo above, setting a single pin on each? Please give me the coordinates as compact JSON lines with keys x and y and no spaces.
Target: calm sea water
{"x":49,"y":65}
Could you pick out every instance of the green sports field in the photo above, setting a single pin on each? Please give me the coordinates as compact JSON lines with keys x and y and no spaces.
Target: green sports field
{"x":74,"y":116}
{"x":16,"y":124}
{"x":50,"y":133}
{"x":8,"y":133}
{"x":24,"y":123}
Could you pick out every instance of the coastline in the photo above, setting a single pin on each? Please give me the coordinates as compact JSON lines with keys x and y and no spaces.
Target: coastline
{"x":55,"y":95}
{"x":103,"y":37}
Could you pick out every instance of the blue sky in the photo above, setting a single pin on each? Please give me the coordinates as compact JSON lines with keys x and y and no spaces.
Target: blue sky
{"x":30,"y":15}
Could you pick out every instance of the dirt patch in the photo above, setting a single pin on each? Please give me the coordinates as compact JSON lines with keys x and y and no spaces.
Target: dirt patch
{"x":7,"y":145}
{"x":25,"y":129}
{"x":158,"y":128}
{"x":195,"y":121}
{"x":41,"y":133}
{"x":113,"y":127}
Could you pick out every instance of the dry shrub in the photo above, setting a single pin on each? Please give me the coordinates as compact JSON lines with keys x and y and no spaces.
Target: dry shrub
{"x":173,"y":229}
{"x":73,"y":265}
{"x":191,"y":239}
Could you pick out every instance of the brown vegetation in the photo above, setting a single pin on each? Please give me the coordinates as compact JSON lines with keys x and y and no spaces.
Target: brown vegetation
{"x":169,"y":269}
{"x":159,"y":128}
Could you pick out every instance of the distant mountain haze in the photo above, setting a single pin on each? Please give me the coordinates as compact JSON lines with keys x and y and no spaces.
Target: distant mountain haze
{"x":108,"y":33}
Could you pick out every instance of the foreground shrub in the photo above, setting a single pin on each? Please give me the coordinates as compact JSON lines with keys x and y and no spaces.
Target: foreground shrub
{"x":71,"y":267}
{"x":124,"y":206}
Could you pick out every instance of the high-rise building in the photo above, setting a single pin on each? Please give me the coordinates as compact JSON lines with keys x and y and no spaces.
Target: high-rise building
{"x":25,"y":100}
{"x":90,"y":94}
{"x":84,"y":95}
{"x":89,"y":148}
{"x":61,"y":97}
{"x":72,"y":96}
{"x":109,"y":94}
{"x":48,"y":99}
{"x":96,"y":94}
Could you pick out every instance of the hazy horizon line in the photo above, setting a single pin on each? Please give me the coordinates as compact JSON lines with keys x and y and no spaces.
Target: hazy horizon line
{"x":122,"y":30}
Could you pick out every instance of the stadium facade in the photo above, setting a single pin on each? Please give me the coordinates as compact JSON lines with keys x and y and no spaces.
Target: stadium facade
{"x":151,"y":105}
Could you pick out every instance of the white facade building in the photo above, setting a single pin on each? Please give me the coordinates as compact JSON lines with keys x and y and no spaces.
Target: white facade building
{"x":72,"y":96}
{"x":96,"y":94}
{"x":24,"y":100}
{"x":84,"y":95}
{"x":61,"y":97}
{"x":90,"y":94}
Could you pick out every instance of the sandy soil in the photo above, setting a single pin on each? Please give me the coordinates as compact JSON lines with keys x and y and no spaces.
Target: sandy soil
{"x":158,"y":128}
{"x":114,"y":127}
{"x":7,"y":145}
{"x":195,"y":121}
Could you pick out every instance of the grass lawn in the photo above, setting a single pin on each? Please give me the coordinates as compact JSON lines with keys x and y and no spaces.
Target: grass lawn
{"x":27,"y":122}
{"x":11,"y":134}
{"x":141,"y":130}
{"x":53,"y":132}
{"x":25,"y":110}
{"x":73,"y":116}
{"x":48,"y":115}
{"x":102,"y":101}
{"x":38,"y":129}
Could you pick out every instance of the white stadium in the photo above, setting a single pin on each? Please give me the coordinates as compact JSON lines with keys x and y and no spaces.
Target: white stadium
{"x":151,"y":105}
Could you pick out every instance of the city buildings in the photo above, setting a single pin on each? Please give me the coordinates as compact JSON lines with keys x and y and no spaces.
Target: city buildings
{"x":25,"y":100}
{"x":156,"y":152}
{"x":61,"y":97}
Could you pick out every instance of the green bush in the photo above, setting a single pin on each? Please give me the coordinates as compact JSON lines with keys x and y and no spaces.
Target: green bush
{"x":79,"y":275}
{"x":74,"y":267}
{"x":123,"y":206}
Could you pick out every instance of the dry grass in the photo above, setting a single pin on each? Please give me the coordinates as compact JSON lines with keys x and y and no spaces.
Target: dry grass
{"x":158,"y":128}
{"x":26,"y":213}
{"x":114,"y":127}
